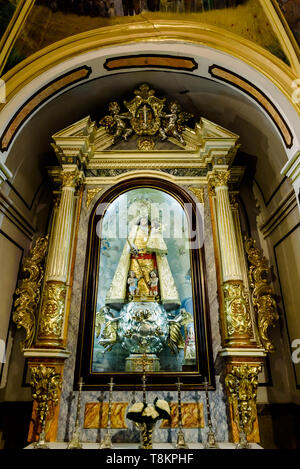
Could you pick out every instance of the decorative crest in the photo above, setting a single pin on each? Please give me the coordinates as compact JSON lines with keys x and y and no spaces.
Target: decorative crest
{"x":146,"y":117}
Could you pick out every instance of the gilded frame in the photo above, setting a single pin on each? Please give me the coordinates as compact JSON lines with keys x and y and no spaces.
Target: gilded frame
{"x":157,"y":380}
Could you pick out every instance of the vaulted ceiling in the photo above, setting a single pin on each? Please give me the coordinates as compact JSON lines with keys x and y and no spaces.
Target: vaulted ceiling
{"x":31,"y":150}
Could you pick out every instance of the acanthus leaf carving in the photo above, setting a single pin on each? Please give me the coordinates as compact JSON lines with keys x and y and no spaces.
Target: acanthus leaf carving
{"x":263,"y":296}
{"x":29,"y":291}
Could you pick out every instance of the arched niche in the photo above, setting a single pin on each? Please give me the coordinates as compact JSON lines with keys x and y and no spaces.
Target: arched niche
{"x":96,"y":363}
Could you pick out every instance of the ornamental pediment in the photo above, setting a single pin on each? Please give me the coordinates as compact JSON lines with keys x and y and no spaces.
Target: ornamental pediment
{"x":146,"y":127}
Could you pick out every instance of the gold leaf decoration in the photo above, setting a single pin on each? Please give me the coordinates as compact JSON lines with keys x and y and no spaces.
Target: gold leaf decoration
{"x":29,"y":291}
{"x":241,"y":383}
{"x":263,"y":297}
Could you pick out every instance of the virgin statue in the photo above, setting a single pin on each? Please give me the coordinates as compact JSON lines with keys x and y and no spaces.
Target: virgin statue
{"x":143,"y":273}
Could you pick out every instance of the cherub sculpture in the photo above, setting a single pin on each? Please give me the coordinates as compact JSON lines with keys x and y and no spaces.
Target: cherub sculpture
{"x":115,"y":122}
{"x":173,"y":123}
{"x":175,"y":340}
{"x":133,"y":283}
{"x":109,"y":335}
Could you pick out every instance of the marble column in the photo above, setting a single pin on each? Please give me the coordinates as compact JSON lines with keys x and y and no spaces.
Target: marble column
{"x":52,"y":313}
{"x":237,"y":320}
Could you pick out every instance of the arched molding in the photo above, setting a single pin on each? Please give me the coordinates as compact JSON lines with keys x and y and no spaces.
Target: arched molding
{"x":207,"y":45}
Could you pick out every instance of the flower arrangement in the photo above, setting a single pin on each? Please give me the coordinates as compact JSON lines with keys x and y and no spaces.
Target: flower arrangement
{"x":148,"y":413}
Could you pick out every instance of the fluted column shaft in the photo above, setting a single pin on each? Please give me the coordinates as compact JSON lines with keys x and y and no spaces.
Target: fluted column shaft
{"x":239,"y":238}
{"x":58,"y":263}
{"x":237,"y":319}
{"x":228,"y":244}
{"x":51,"y":321}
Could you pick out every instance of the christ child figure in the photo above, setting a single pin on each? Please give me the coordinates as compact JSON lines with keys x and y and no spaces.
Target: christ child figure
{"x":153,"y":283}
{"x":133,"y":283}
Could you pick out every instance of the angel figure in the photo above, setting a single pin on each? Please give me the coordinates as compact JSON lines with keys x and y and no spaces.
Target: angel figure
{"x":176,"y":340}
{"x":115,"y":122}
{"x":153,"y":283}
{"x":174,"y":123}
{"x":109,"y":335}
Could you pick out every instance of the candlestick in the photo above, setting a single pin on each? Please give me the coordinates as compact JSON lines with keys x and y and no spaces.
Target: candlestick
{"x":107,"y":443}
{"x":144,"y":377}
{"x":75,"y":441}
{"x":180,"y":435}
{"x":211,"y":442}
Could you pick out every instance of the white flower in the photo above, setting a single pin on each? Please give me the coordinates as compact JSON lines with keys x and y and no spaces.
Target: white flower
{"x":149,"y":411}
{"x":137,"y":407}
{"x":161,"y":404}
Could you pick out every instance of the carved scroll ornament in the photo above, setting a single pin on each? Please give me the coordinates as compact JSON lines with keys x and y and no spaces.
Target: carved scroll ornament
{"x":29,"y":291}
{"x":263,"y":297}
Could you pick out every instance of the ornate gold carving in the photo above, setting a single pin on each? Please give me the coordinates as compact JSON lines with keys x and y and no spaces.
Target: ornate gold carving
{"x":29,"y":290}
{"x":263,"y":297}
{"x":219,"y":178}
{"x":211,"y":189}
{"x":91,"y":193}
{"x":145,"y":143}
{"x":237,"y":310}
{"x":241,"y":383}
{"x":45,"y":384}
{"x":71,"y":178}
{"x":145,"y":110}
{"x":52,"y":313}
{"x":199,"y":193}
{"x":145,"y":116}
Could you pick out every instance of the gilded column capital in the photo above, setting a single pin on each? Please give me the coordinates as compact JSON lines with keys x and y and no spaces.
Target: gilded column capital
{"x":263,"y":297}
{"x":71,"y":178}
{"x":28,"y":292}
{"x":241,"y":383}
{"x":219,"y":178}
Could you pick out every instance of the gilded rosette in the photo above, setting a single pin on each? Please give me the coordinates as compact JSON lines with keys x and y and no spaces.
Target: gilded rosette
{"x":29,"y":291}
{"x":71,"y":177}
{"x":263,"y":297}
{"x":219,"y":178}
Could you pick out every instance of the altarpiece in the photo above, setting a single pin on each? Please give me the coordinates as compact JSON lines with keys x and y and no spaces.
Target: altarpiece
{"x":145,"y":269}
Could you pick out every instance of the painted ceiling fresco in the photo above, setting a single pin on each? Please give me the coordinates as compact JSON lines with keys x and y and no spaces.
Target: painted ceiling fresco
{"x":53,"y":20}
